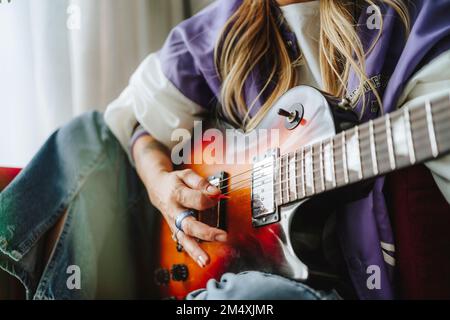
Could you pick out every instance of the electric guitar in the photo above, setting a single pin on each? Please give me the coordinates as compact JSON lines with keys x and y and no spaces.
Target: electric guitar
{"x":318,"y":149}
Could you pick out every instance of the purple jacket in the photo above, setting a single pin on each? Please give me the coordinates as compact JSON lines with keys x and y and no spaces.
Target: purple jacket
{"x":187,"y":60}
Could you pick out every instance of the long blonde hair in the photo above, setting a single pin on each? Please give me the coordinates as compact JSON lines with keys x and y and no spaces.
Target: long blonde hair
{"x":252,"y":36}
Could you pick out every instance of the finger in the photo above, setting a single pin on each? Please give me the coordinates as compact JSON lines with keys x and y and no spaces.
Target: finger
{"x":193,"y":199}
{"x":199,"y":230}
{"x":194,"y":181}
{"x":191,"y":246}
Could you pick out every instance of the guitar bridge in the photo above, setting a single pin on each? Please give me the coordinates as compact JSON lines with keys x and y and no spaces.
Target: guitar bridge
{"x":264,"y":209}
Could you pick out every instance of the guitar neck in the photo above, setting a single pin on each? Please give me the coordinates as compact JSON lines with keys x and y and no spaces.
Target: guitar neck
{"x":397,"y":140}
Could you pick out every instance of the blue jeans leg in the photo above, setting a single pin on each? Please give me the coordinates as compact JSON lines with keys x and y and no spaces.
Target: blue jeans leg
{"x":254,"y":285}
{"x":81,"y":170}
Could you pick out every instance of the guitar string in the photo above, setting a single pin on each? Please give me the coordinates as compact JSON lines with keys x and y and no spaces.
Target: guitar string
{"x":338,"y":149}
{"x":383,"y":130}
{"x":338,"y":171}
{"x":315,"y":178}
{"x":303,"y":185}
{"x":435,"y":111}
{"x":419,"y":144}
{"x":317,"y":162}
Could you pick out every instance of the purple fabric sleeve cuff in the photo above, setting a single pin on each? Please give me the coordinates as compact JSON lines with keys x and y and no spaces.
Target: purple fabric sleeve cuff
{"x":138,"y":132}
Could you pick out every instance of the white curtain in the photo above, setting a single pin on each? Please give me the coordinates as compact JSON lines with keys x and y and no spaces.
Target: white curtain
{"x":61,"y":58}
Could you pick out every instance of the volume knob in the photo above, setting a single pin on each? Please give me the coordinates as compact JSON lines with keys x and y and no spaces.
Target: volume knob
{"x":162,"y":277}
{"x":179,"y":272}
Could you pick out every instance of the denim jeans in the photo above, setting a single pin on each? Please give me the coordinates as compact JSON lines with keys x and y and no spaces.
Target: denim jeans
{"x":108,"y":236}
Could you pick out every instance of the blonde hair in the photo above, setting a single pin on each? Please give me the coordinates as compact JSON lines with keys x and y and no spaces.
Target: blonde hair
{"x":252,"y":37}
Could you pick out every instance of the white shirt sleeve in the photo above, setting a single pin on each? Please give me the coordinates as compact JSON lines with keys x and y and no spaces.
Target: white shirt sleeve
{"x":428,"y":83}
{"x":153,"y":101}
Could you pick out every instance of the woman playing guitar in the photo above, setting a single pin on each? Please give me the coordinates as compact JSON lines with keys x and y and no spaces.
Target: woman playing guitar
{"x":84,"y":198}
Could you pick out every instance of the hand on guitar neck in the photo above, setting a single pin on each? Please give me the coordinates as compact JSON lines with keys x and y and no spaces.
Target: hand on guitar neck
{"x":172,"y":192}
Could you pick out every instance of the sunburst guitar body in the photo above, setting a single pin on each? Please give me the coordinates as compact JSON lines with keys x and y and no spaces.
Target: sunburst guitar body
{"x":295,"y":155}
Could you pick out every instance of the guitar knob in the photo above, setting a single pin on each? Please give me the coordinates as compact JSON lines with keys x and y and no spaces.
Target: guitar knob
{"x":284,"y":113}
{"x":294,"y":116}
{"x":179,"y":272}
{"x":162,"y":277}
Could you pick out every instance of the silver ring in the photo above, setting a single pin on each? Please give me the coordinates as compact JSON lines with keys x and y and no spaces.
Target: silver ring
{"x":183,"y":215}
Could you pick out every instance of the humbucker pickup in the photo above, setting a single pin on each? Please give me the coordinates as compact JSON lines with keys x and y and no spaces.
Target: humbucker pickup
{"x":264,"y":209}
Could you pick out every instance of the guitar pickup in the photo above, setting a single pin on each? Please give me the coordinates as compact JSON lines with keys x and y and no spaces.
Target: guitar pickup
{"x":264,"y":209}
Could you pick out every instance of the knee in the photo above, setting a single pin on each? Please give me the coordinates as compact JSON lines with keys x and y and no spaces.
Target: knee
{"x":254,"y":285}
{"x":88,"y":124}
{"x":83,"y":140}
{"x":88,"y":130}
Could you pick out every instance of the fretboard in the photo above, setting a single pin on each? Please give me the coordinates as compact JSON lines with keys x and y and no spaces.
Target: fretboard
{"x":397,"y":140}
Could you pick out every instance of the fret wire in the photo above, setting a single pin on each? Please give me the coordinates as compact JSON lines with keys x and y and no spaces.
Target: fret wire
{"x":288,"y":196}
{"x":390,"y":141}
{"x":281,"y":193}
{"x":297,"y":169}
{"x":333,"y":163}
{"x":286,"y":176}
{"x":303,"y":173}
{"x":312,"y":170}
{"x":281,"y":179}
{"x":295,"y":178}
{"x":412,"y":155}
{"x":365,"y":149}
{"x":321,"y":165}
{"x":333,"y":173}
{"x":344,"y":158}
{"x":431,"y":133}
{"x":316,"y":169}
{"x":360,"y":174}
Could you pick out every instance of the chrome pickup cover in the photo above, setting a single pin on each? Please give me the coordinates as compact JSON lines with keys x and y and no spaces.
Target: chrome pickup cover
{"x":264,"y":208}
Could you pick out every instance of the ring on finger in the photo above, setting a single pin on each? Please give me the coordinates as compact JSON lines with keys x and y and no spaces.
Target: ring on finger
{"x":183,"y":215}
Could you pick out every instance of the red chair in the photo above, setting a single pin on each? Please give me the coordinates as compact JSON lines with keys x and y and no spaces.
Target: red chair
{"x":7,"y":175}
{"x":10,"y":288}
